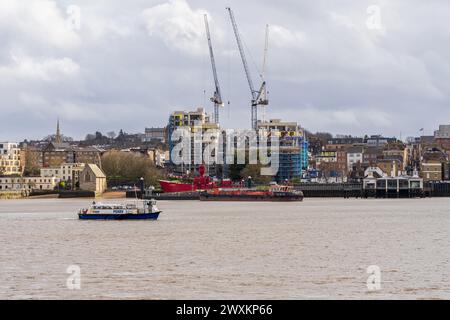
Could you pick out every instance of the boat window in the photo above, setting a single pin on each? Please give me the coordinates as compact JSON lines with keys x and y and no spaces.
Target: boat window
{"x":415,"y":184}
{"x":381,"y":183}
{"x":403,"y":183}
{"x":392,"y":183}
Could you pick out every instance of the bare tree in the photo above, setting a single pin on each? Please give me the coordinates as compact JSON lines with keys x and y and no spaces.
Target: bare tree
{"x":111,"y":134}
{"x":32,"y":165}
{"x":126,"y":167}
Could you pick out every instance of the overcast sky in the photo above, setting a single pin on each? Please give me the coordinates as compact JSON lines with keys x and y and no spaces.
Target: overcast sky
{"x":335,"y":66}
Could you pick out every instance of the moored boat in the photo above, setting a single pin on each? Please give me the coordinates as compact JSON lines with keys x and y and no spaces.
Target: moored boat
{"x":129,"y":211}
{"x":275,"y":193}
{"x":202,"y":182}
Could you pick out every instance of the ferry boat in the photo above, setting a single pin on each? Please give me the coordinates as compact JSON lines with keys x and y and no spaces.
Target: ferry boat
{"x":275,"y":193}
{"x":128,"y":211}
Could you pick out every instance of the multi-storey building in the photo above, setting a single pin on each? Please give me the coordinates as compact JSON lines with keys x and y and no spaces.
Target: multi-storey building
{"x":189,"y":118}
{"x":27,"y":183}
{"x":67,"y":172}
{"x":55,"y":154}
{"x":152,"y":134}
{"x":378,"y":141}
{"x":341,"y":157}
{"x":443,"y":132}
{"x":433,"y":161}
{"x":371,"y":155}
{"x":354,"y":156}
{"x":442,"y":137}
{"x":326,"y":156}
{"x":343,"y":143}
{"x":195,"y":122}
{"x":293,"y":157}
{"x":10,"y":159}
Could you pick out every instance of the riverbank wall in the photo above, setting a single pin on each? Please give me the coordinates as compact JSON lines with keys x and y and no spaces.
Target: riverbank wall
{"x":5,"y":195}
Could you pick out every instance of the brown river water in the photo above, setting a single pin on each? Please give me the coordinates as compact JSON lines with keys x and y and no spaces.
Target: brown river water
{"x":317,"y":249}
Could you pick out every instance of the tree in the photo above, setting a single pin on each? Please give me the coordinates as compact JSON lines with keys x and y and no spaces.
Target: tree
{"x":32,"y":167}
{"x":52,"y":137}
{"x":90,"y":137}
{"x":235,"y":171}
{"x":126,"y":167}
{"x":296,"y":180}
{"x":254,"y":171}
{"x":324,"y":137}
{"x":111,"y":134}
{"x":98,"y":135}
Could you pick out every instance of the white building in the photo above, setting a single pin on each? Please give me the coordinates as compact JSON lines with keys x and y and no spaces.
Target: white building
{"x":27,"y":183}
{"x":10,"y":162}
{"x":69,"y":172}
{"x":354,"y":155}
{"x":154,"y":134}
{"x":443,"y":132}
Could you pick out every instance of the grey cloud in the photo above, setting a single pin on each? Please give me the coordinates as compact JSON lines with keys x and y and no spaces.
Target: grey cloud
{"x":130,"y":65}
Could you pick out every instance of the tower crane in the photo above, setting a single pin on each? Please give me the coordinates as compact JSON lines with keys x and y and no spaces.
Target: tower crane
{"x":258,"y":96}
{"x":263,"y":72}
{"x":266,"y":49}
{"x":217,"y":98}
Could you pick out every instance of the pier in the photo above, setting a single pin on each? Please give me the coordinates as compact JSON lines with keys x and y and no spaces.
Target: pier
{"x":399,"y":187}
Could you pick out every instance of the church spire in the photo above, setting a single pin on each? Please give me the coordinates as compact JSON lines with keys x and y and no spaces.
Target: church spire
{"x":58,"y":133}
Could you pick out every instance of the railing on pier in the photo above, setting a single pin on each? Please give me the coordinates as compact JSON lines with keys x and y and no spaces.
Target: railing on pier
{"x":324,"y":190}
{"x":437,"y":189}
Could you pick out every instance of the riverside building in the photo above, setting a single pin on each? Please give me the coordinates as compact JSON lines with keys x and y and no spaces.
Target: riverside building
{"x":10,"y":159}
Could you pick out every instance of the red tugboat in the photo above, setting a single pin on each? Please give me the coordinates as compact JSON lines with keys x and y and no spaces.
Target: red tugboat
{"x":275,"y":193}
{"x":201,"y":182}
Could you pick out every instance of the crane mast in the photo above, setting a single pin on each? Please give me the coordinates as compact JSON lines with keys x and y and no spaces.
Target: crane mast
{"x":266,"y":49}
{"x":257,"y":98}
{"x":217,"y":98}
{"x":263,"y":74}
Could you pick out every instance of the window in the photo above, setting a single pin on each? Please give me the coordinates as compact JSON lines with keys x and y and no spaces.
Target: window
{"x":381,"y":184}
{"x":415,"y":184}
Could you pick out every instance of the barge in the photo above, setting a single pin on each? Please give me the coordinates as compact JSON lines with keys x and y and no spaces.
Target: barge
{"x":275,"y":194}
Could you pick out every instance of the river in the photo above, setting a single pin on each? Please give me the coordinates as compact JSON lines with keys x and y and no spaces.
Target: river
{"x":316,"y":249}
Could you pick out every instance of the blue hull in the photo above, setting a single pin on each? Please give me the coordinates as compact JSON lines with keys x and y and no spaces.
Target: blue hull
{"x":144,"y":216}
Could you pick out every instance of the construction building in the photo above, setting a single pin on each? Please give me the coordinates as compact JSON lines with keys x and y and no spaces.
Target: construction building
{"x":193,"y":121}
{"x":293,"y":160}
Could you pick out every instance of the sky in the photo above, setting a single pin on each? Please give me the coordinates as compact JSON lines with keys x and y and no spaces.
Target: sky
{"x":346,"y":67}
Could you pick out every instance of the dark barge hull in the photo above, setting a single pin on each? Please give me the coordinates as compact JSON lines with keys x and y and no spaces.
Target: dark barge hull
{"x":145,"y":216}
{"x":250,"y":198}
